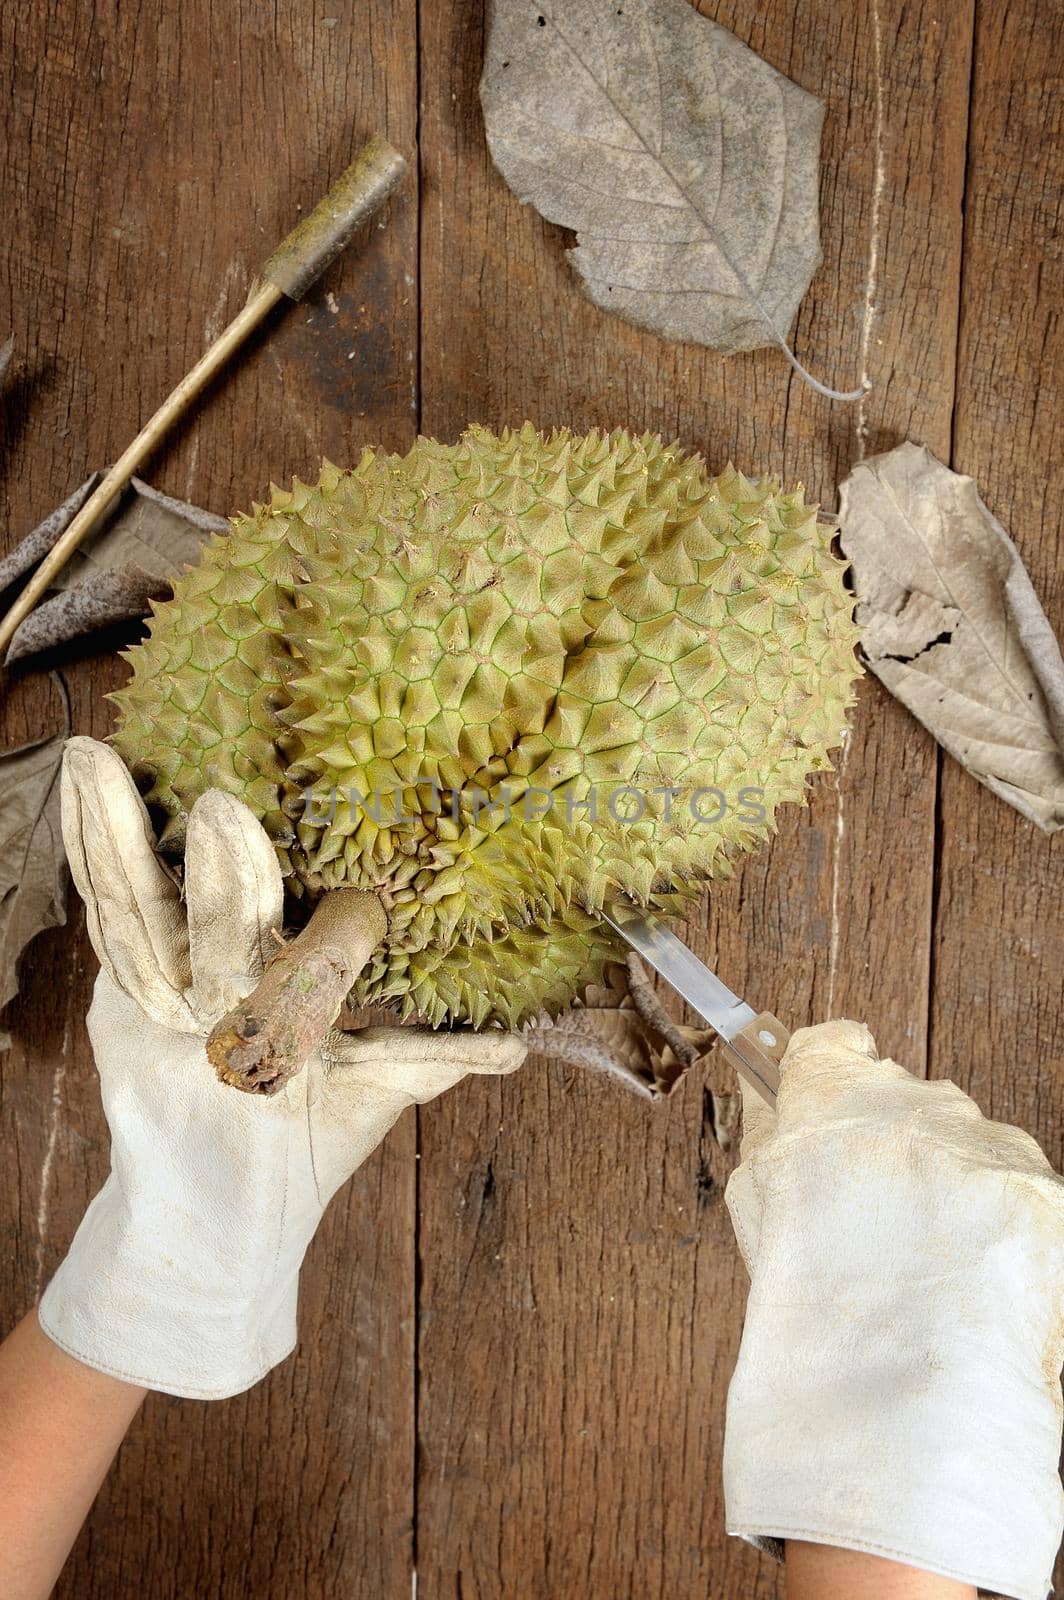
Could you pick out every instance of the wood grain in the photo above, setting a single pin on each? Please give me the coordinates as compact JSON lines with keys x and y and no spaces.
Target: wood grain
{"x":997,"y":1018}
{"x":997,"y":1022}
{"x":516,"y":1347}
{"x":154,"y":155}
{"x":581,"y":1295}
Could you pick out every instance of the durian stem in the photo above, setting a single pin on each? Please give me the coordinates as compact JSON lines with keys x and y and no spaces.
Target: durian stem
{"x":265,"y":1040}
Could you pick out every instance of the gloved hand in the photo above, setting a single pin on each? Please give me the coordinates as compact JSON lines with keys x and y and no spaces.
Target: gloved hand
{"x":897,"y":1389}
{"x":183,"y":1274}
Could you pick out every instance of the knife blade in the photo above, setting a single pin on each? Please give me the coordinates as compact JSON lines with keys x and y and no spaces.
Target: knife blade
{"x":754,"y":1042}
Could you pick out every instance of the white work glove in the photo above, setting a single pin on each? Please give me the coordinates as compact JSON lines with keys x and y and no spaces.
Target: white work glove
{"x":183,"y":1274}
{"x":897,"y":1390}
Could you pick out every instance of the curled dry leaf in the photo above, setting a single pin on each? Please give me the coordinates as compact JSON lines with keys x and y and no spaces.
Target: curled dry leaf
{"x":32,"y":859}
{"x":128,"y":561}
{"x":727,"y":1115}
{"x":687,"y":166}
{"x":621,"y":1029}
{"x":953,"y":627}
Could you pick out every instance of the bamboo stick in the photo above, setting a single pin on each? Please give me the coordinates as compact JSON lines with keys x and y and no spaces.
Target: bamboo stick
{"x":297,"y":262}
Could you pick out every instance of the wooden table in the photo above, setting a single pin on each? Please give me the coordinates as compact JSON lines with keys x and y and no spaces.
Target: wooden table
{"x":520,"y":1319}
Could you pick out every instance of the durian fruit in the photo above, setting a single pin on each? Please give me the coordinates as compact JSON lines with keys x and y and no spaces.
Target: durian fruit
{"x":498,"y":684}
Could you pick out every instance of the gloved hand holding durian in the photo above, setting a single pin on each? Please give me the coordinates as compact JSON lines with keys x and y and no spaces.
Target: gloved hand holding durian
{"x":184,"y":1273}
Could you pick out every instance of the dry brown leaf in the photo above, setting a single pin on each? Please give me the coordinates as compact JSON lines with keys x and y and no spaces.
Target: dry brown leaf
{"x":129,"y":560}
{"x":953,"y":627}
{"x":36,"y":545}
{"x":687,"y":166}
{"x":32,"y":860}
{"x":644,"y":1050}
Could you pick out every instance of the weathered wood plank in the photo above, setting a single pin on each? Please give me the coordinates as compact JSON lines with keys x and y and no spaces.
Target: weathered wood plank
{"x":999,"y":930}
{"x":997,"y":1023}
{"x":580,"y":1292}
{"x":153,"y":156}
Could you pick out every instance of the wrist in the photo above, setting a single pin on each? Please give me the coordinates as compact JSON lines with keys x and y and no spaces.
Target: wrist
{"x":823,"y":1572}
{"x":62,"y":1422}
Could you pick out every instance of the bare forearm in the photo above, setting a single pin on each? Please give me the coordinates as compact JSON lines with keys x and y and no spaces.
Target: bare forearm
{"x":60,"y":1425}
{"x":821,"y":1572}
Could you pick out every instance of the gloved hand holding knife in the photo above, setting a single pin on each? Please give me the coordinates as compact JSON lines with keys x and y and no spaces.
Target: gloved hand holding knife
{"x":897,"y":1391}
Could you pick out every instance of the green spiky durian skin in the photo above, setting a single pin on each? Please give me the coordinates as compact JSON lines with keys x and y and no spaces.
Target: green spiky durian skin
{"x":553,"y":621}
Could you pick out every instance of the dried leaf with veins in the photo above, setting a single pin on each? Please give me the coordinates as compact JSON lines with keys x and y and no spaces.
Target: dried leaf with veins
{"x":687,"y":166}
{"x":953,"y":627}
{"x":127,"y":562}
{"x":32,"y":859}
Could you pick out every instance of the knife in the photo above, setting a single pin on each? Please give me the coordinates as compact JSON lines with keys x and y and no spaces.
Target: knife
{"x":754,"y":1042}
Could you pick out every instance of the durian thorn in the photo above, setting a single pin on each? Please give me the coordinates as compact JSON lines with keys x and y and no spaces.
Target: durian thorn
{"x":264,"y":1041}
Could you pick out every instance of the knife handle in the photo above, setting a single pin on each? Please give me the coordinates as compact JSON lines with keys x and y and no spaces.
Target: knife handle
{"x":756,"y":1051}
